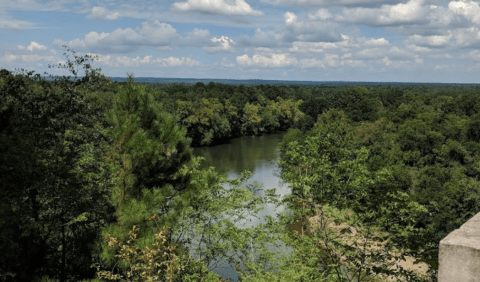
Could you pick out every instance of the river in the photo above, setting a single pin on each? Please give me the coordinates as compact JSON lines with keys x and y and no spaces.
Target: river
{"x":258,"y":154}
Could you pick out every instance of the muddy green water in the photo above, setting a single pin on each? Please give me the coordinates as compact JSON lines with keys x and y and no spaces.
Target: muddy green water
{"x":258,"y":154}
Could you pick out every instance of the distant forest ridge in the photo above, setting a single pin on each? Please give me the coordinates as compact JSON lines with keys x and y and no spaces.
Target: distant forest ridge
{"x":281,"y":82}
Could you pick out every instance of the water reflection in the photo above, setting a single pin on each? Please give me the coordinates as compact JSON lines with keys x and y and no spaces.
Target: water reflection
{"x":248,"y":152}
{"x":258,"y":154}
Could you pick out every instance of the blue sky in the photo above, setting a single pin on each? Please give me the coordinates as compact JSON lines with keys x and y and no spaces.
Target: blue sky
{"x":319,"y":40}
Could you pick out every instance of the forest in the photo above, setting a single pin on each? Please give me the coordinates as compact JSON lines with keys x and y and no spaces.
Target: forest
{"x":99,"y":182}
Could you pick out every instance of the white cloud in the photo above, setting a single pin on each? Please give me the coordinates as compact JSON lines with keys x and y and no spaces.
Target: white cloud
{"x":270,"y":38}
{"x":329,"y":3}
{"x":269,"y":61}
{"x":6,"y":21}
{"x":386,"y":61}
{"x":334,"y":60}
{"x":312,"y":63}
{"x":467,"y":37}
{"x":198,"y":36}
{"x":34,"y":45}
{"x":321,"y":14}
{"x":473,"y":55}
{"x":220,"y":44}
{"x":418,"y":49}
{"x":331,"y":60}
{"x":102,"y":13}
{"x":295,"y":28}
{"x":320,"y":47}
{"x":176,"y":62}
{"x":468,"y":9}
{"x":309,"y":31}
{"x":124,"y":61}
{"x":418,"y":60}
{"x":414,"y":11}
{"x":442,"y":56}
{"x":151,"y":33}
{"x":29,"y":58}
{"x":290,"y":18}
{"x":157,"y":33}
{"x":430,"y":41}
{"x":376,"y":42}
{"x":236,"y":7}
{"x":348,"y":43}
{"x":381,"y":52}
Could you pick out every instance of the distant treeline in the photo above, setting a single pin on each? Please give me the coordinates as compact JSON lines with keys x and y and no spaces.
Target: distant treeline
{"x":257,"y":109}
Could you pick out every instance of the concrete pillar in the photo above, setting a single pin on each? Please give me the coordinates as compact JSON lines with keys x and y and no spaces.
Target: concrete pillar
{"x":459,"y":254}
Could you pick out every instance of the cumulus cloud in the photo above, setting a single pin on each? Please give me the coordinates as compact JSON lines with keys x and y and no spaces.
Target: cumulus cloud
{"x":310,"y":31}
{"x":392,"y":52}
{"x":454,"y":38}
{"x":468,"y":9}
{"x":33,"y":45}
{"x":151,"y":33}
{"x":376,"y":42}
{"x":197,"y":36}
{"x":290,"y":18}
{"x":467,"y":37}
{"x":295,"y":28}
{"x":414,"y":11}
{"x":225,"y":7}
{"x":103,"y":14}
{"x":267,"y":61}
{"x":390,"y":63}
{"x":418,"y":49}
{"x":320,"y":47}
{"x":321,"y":14}
{"x":269,"y":38}
{"x":220,"y":44}
{"x":473,"y":55}
{"x":430,"y":41}
{"x":354,"y":52}
{"x":347,"y":44}
{"x":312,"y":63}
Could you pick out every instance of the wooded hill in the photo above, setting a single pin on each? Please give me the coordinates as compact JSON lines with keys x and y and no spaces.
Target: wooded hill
{"x":98,"y":180}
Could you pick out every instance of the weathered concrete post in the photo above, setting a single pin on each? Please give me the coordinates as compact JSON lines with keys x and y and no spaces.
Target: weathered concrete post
{"x":459,"y":254}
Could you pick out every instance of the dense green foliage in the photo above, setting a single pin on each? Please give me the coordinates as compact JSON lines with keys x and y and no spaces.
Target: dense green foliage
{"x":96,"y":173}
{"x":55,"y":184}
{"x":411,"y":170}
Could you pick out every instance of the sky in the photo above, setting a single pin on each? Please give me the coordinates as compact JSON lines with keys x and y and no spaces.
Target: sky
{"x":307,"y":40}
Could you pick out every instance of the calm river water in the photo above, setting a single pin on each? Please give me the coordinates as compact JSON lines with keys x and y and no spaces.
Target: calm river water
{"x":258,"y":154}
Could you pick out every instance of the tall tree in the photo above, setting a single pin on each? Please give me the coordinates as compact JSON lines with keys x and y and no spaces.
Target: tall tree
{"x":148,"y":152}
{"x":55,"y":184}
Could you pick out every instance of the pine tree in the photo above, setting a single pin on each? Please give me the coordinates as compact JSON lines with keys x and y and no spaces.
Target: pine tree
{"x":149,"y":150}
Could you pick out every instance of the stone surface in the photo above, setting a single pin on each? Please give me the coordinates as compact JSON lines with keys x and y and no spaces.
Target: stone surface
{"x":459,"y":254}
